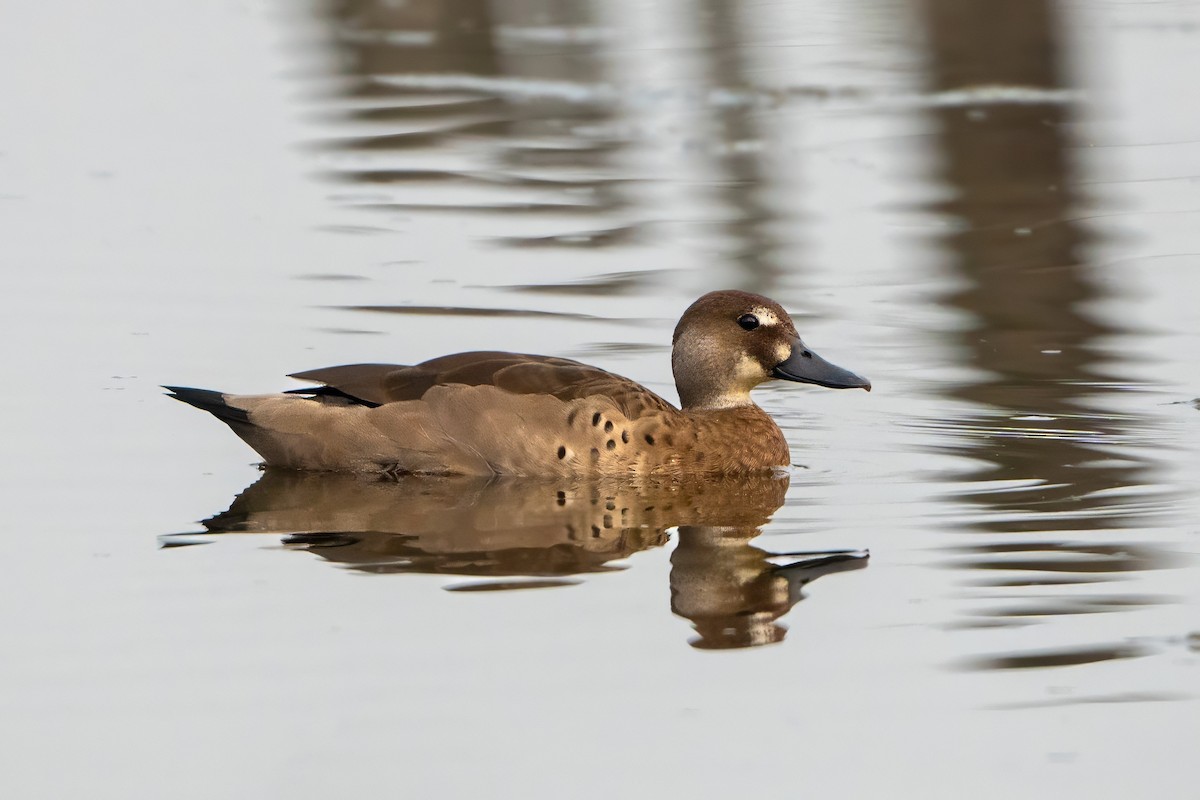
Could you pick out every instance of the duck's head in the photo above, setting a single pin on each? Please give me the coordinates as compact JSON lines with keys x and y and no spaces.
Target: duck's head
{"x":728,"y":342}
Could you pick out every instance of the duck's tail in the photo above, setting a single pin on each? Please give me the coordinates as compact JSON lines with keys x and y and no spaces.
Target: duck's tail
{"x":214,"y":403}
{"x":289,"y":430}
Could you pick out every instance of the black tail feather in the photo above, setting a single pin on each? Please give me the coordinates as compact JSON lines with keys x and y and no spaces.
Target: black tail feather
{"x":212,"y":402}
{"x":332,"y":393}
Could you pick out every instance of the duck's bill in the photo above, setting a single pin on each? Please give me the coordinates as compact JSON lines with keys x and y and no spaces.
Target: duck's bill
{"x":805,"y":366}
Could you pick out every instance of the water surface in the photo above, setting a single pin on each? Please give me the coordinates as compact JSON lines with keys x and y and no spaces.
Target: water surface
{"x":989,"y":212}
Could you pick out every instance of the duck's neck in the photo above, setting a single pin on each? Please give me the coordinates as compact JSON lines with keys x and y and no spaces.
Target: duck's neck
{"x":708,"y":380}
{"x":705,"y":388}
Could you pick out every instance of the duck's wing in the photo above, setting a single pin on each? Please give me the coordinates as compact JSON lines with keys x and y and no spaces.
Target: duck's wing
{"x":516,"y":373}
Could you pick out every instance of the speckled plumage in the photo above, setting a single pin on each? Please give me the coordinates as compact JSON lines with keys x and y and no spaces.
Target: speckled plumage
{"x":511,"y":414}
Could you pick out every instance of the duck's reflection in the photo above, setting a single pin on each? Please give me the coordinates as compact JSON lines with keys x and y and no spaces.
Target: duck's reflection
{"x":523,"y":533}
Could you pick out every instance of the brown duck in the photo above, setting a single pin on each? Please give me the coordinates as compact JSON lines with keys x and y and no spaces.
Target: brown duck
{"x":510,"y":414}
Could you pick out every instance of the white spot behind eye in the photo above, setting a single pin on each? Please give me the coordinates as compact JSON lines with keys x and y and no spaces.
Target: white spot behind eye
{"x":765,"y":316}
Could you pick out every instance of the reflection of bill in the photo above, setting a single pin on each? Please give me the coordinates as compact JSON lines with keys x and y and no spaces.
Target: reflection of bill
{"x":528,"y":533}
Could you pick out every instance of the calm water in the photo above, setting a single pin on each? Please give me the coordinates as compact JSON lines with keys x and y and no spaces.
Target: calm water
{"x":990,"y":210}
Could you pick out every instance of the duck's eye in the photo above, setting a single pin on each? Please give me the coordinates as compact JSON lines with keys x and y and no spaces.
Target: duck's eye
{"x":748,"y":322}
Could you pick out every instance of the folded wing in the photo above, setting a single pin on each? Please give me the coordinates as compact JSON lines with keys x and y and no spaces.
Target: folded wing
{"x":515,"y":373}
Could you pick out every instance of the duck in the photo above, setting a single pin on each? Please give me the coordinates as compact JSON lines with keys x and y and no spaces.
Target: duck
{"x":514,"y":414}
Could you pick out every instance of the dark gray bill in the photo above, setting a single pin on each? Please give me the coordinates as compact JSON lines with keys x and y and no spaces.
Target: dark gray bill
{"x":805,"y":366}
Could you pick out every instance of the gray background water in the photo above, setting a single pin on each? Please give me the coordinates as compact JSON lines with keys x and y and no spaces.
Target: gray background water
{"x":989,"y":209}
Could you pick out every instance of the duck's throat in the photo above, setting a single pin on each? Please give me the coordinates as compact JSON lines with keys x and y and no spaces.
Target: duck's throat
{"x":710,"y":400}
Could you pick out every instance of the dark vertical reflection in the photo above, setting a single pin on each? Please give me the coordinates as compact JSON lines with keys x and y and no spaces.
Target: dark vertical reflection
{"x":508,"y":110}
{"x":453,"y":97}
{"x":378,"y":37}
{"x":1048,"y":448}
{"x":1018,"y":248}
{"x":735,"y":151}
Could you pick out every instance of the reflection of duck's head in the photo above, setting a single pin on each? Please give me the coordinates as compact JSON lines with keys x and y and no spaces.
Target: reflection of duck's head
{"x":733,"y":593}
{"x":726,"y":588}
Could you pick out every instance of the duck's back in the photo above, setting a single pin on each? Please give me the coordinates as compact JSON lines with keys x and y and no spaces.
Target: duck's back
{"x":514,"y":373}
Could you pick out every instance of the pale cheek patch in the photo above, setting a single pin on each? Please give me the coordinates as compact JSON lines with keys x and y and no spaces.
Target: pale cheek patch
{"x":749,"y":371}
{"x":783,"y":352}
